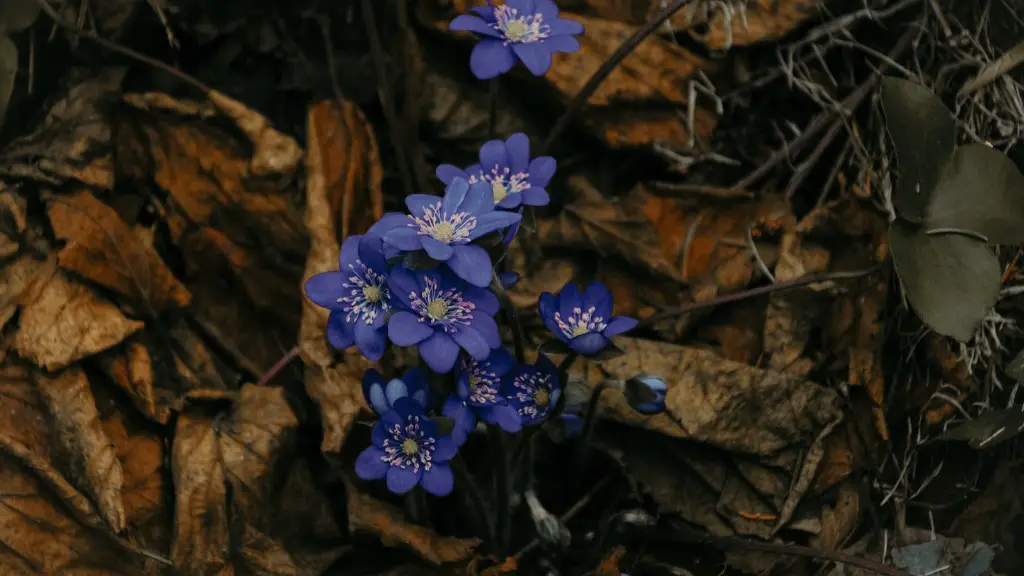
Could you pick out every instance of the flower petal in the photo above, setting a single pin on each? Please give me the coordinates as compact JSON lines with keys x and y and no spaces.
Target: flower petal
{"x":472,"y":342}
{"x":500,"y":361}
{"x":485,"y":12}
{"x":494,"y":221}
{"x":349,"y":252}
{"x":597,"y":296}
{"x":536,"y":57}
{"x":382,"y":429}
{"x":541,"y":171}
{"x":547,"y":305}
{"x":439,"y":352}
{"x":568,"y":299}
{"x":394,"y":390}
{"x":491,"y":58}
{"x":439,"y":480}
{"x":619,"y":324}
{"x":518,"y":147}
{"x":370,"y":340}
{"x":446,"y":173}
{"x":508,"y":279}
{"x":401,"y":283}
{"x":535,"y":197}
{"x":454,"y":194}
{"x":472,"y":23}
{"x":485,"y":300}
{"x":479,"y":200}
{"x":444,"y":449}
{"x":493,"y":153}
{"x":436,"y":249}
{"x":374,"y":392}
{"x":387,"y":222}
{"x":339,"y":332}
{"x":564,"y":27}
{"x":371,"y":253}
{"x":544,"y":365}
{"x":510,"y":234}
{"x":403,"y":238}
{"x":588,"y":344}
{"x":472,"y":264}
{"x":370,"y":464}
{"x":506,"y":417}
{"x":402,"y":480}
{"x":325,"y":288}
{"x":511,"y":202}
{"x":404,"y":329}
{"x":521,"y":6}
{"x":563,"y":43}
{"x":418,"y":203}
{"x":488,"y":329}
{"x":456,"y":409}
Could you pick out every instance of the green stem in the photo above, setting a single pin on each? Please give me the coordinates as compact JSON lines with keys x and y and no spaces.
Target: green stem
{"x":563,"y":368}
{"x":502,"y":489}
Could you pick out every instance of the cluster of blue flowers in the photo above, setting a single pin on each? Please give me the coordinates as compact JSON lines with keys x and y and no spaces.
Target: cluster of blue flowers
{"x":422,"y":279}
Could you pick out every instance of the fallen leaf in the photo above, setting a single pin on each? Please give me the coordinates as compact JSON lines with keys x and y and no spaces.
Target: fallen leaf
{"x":15,"y":277}
{"x":92,"y":461}
{"x":12,"y":222}
{"x":754,"y":22}
{"x":367,"y":514}
{"x":995,"y":516}
{"x":306,"y":524}
{"x":103,"y":249}
{"x":839,"y":521}
{"x":63,"y":321}
{"x":338,"y":393}
{"x":273,"y":152}
{"x":132,"y":370}
{"x":223,"y":468}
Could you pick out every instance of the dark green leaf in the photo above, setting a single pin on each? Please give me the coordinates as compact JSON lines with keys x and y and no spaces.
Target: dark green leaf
{"x":951,"y":280}
{"x":980,"y":190}
{"x":923,"y":134}
{"x":8,"y":72}
{"x":1016,"y":367}
{"x":989,"y":429}
{"x":17,"y":15}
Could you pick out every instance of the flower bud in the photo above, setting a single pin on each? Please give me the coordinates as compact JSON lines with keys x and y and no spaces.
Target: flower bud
{"x":646,"y":394}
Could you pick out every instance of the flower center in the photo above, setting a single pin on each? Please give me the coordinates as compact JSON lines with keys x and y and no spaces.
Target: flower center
{"x":410,"y":447}
{"x":541,"y":397}
{"x":372,"y":293}
{"x":365,"y":294}
{"x":445,"y":307}
{"x":474,"y":381}
{"x":580,"y":322}
{"x":517,"y":28}
{"x":447,"y":228}
{"x":437,"y":309}
{"x":504,"y":182}
{"x":499,"y":190}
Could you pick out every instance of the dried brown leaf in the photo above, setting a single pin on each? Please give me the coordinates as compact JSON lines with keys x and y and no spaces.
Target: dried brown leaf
{"x":15,"y":277}
{"x":132,"y":370}
{"x":274,"y":153}
{"x":367,"y":514}
{"x":338,"y":393}
{"x":63,"y":321}
{"x":839,"y":520}
{"x":91,"y":458}
{"x":305,"y":522}
{"x":12,"y":222}
{"x":103,"y":249}
{"x":241,"y":451}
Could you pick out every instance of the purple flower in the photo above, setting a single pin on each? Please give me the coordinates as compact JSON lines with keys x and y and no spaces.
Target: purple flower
{"x":646,"y":394}
{"x":533,"y":390}
{"x":529,"y":30}
{"x":514,"y":179}
{"x":407,"y":450}
{"x":478,"y":394}
{"x":381,"y":395}
{"x":583,"y":321}
{"x":357,"y":296}
{"x":508,"y":279}
{"x":444,"y":228}
{"x":441,"y":313}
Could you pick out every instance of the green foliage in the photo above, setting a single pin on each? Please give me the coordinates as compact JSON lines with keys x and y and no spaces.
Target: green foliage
{"x":950,"y":203}
{"x":15,"y":16}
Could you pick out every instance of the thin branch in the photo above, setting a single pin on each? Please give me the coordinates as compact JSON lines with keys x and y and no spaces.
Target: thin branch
{"x":606,"y":68}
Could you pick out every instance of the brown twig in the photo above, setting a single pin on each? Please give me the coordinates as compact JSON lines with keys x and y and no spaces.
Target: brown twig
{"x":115,"y":47}
{"x":606,"y":68}
{"x":754,"y":292}
{"x":742,"y":544}
{"x":384,"y":93}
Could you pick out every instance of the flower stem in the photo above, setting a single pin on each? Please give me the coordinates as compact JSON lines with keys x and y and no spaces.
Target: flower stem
{"x":501,"y":487}
{"x":580,"y":464}
{"x":518,"y":335}
{"x":476,"y":500}
{"x":278,"y":366}
{"x":563,"y":368}
{"x":492,"y":109}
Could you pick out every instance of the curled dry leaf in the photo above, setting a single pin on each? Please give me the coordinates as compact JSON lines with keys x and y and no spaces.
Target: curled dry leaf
{"x":15,"y":277}
{"x":73,"y":142}
{"x":91,"y":459}
{"x":273,"y":152}
{"x":132,"y":370}
{"x":223,"y":468}
{"x":102,"y":248}
{"x":63,"y":321}
{"x":12,"y":222}
{"x":343,"y":175}
{"x":367,"y":514}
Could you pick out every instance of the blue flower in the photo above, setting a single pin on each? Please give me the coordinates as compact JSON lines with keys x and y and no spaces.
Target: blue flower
{"x":407,"y":450}
{"x":445,"y":228}
{"x":583,"y":321}
{"x":529,"y":30}
{"x":508,"y":279}
{"x":478,"y":395}
{"x":646,"y":394}
{"x":514,"y":179}
{"x":381,"y":395}
{"x":533,"y":390}
{"x":441,"y":313}
{"x":357,"y":296}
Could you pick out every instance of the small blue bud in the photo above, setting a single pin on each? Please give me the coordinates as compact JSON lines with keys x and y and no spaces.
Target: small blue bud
{"x":646,"y":394}
{"x":508,"y":279}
